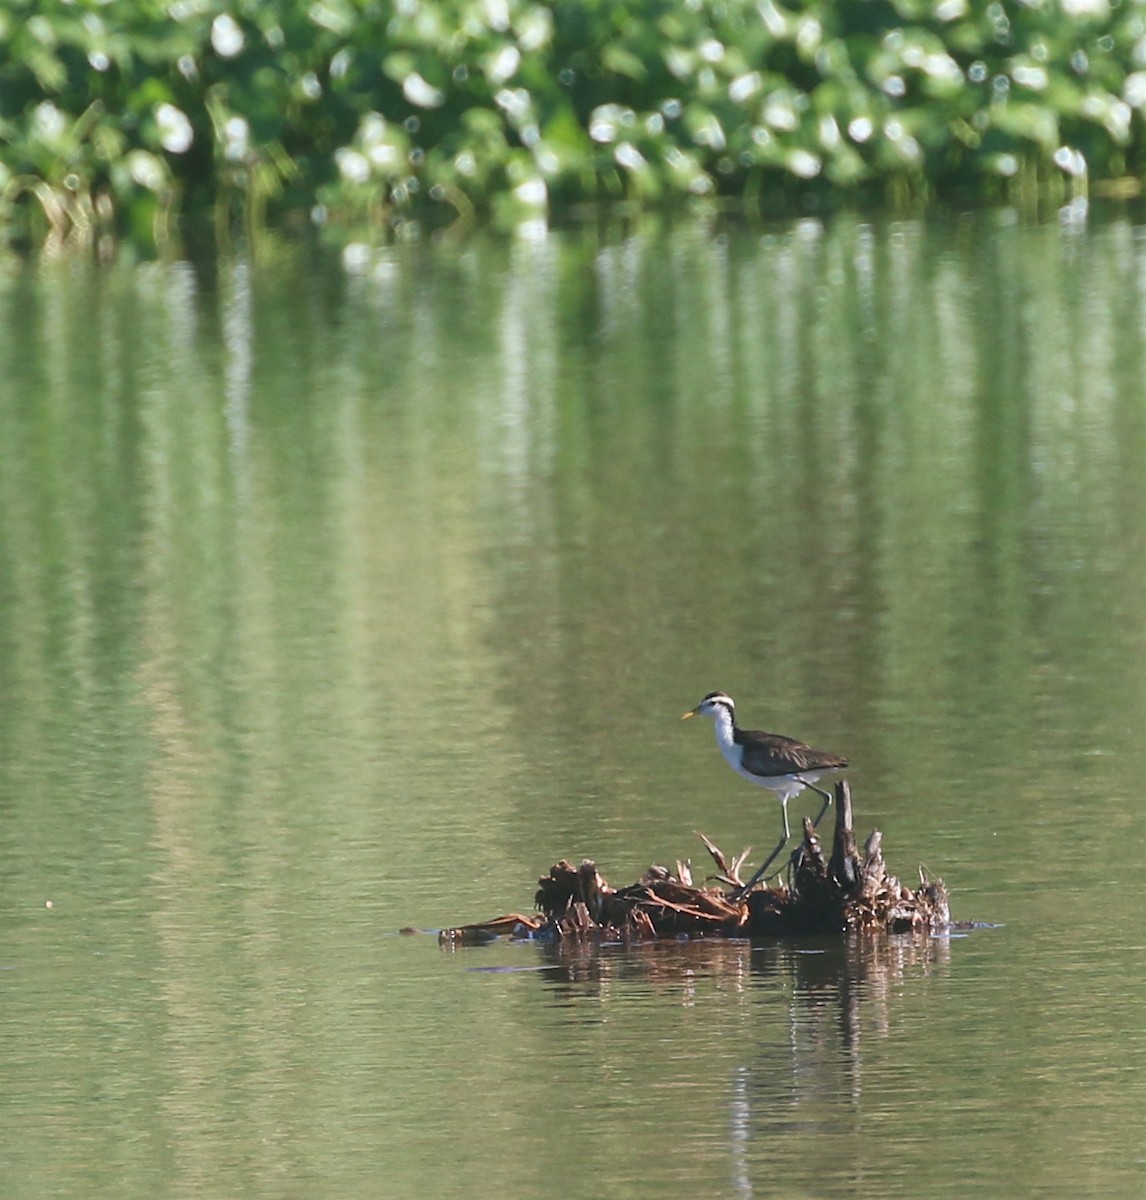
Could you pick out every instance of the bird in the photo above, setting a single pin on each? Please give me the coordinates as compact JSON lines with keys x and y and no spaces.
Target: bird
{"x":770,"y":760}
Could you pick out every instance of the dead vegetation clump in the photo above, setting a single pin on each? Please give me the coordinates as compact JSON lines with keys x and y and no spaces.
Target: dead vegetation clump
{"x":846,"y":891}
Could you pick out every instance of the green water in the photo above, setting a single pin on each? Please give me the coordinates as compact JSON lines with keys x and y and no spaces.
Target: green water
{"x":343,"y":596}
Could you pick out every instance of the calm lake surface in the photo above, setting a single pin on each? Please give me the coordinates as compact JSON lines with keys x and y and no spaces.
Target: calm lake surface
{"x":344,"y":594}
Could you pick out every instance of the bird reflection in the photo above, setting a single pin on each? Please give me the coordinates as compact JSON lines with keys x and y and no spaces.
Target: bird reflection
{"x":801,"y":1014}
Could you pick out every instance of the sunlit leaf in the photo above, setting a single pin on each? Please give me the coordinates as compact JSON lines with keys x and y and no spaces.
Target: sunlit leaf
{"x":617,"y":58}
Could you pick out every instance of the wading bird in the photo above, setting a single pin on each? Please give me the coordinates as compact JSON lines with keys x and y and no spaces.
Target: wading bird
{"x":768,"y":759}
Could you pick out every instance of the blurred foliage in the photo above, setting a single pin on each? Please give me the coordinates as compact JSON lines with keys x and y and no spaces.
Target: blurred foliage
{"x":116,"y":116}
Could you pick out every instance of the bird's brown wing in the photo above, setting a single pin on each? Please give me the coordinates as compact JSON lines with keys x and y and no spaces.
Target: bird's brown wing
{"x":773,"y":754}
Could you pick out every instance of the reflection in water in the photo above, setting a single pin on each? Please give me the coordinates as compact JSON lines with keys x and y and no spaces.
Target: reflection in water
{"x":812,"y":1009}
{"x":332,"y":603}
{"x":840,"y":993}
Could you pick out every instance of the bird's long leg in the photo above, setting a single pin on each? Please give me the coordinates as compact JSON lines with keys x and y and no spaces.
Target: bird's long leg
{"x":741,"y":892}
{"x":827,"y":800}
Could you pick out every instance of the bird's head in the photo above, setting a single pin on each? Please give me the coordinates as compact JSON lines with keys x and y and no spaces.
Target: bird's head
{"x":712,"y":704}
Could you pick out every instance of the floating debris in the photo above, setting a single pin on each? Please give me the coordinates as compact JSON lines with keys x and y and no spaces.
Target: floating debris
{"x":847,"y":891}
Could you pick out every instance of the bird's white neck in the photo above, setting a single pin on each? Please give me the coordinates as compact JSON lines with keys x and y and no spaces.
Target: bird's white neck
{"x":723,"y":724}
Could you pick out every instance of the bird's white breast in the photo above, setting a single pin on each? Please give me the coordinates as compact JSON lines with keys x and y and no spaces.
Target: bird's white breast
{"x":789,"y":785}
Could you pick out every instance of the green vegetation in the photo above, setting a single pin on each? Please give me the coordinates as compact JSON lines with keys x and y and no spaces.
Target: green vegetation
{"x":117,"y":116}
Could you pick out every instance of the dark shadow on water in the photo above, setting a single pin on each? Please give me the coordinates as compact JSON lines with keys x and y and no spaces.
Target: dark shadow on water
{"x":793,"y":1030}
{"x":859,"y":963}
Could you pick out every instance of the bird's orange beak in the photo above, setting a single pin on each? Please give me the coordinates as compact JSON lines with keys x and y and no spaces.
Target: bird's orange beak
{"x":691,"y":713}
